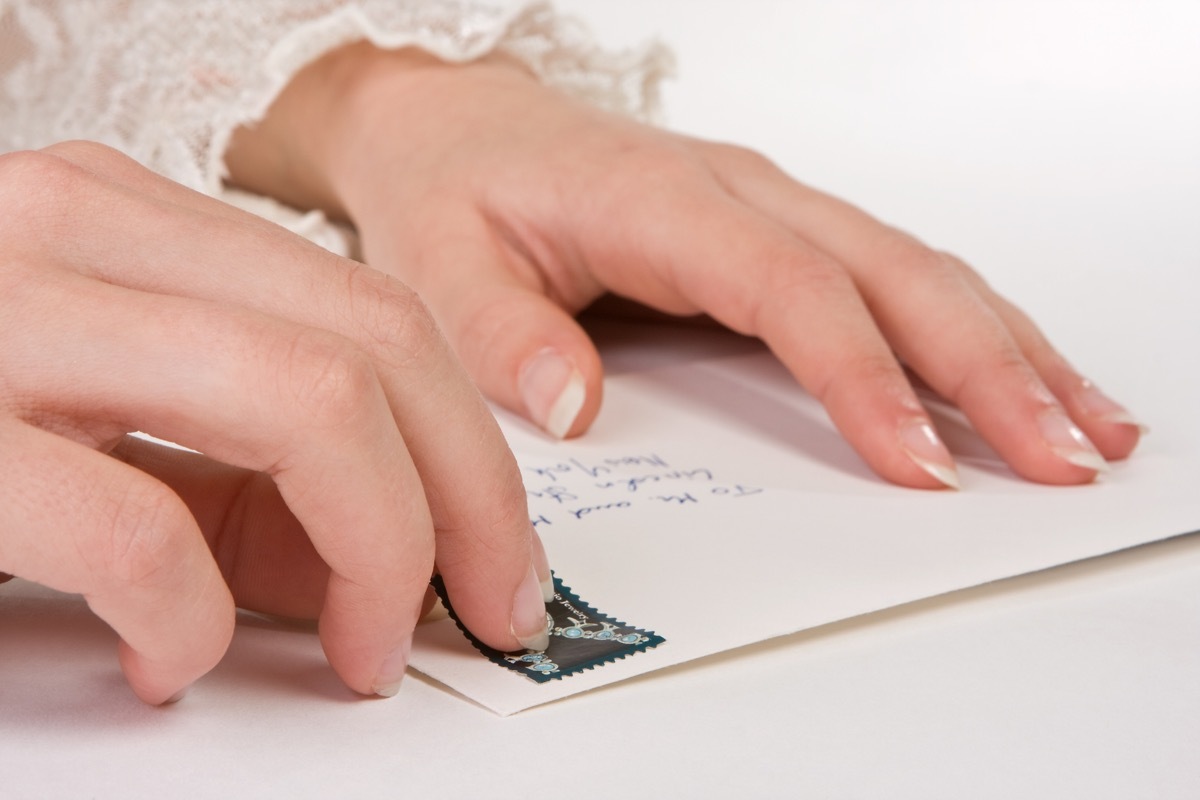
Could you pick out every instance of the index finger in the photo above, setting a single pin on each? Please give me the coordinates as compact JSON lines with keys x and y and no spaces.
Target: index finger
{"x":471,"y":481}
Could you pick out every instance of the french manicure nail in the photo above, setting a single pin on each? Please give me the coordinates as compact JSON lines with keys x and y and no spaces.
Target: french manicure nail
{"x":391,"y":671}
{"x":541,"y":565}
{"x":553,"y":390}
{"x":1100,"y":406}
{"x":922,"y":444}
{"x":529,"y":614}
{"x":1068,"y":442}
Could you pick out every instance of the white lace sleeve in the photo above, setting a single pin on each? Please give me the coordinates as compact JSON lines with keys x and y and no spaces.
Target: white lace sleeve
{"x":168,"y":82}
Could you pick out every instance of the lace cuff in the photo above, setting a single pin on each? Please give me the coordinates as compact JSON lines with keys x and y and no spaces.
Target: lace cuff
{"x":168,"y":83}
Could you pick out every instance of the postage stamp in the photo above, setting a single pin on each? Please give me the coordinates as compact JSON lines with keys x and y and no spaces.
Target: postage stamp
{"x":581,"y":638}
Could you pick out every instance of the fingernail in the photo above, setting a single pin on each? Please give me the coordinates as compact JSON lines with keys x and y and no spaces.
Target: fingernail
{"x":922,"y":444}
{"x":553,"y":390}
{"x":1100,"y":406}
{"x":391,"y":671}
{"x":541,"y":565}
{"x":529,"y":614}
{"x":1068,"y":442}
{"x":175,"y":698}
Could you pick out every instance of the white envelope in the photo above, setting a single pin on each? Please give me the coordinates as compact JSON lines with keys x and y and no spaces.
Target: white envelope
{"x":714,"y":504}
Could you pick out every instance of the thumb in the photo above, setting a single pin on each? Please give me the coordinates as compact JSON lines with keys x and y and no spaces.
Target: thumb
{"x":526,"y":353}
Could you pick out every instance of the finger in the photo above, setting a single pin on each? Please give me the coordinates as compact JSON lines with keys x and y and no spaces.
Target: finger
{"x":301,"y":404}
{"x":261,"y":549}
{"x":935,"y":320}
{"x":691,"y":247}
{"x":1108,"y":424}
{"x":77,"y":521}
{"x":518,"y":345}
{"x":440,"y":414}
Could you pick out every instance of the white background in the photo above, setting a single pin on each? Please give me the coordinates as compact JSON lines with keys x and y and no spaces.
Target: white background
{"x":1056,"y":146}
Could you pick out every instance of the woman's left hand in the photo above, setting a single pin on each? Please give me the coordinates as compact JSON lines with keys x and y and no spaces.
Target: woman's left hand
{"x":510,"y":207}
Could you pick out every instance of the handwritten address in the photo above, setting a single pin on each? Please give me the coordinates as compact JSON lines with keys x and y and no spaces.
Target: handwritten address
{"x":573,"y":489}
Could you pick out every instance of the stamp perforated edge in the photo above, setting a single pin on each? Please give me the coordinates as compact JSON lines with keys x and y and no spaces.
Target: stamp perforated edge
{"x":615,"y":640}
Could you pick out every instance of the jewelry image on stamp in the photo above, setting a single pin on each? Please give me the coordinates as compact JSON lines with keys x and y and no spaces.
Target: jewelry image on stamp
{"x":581,"y":638}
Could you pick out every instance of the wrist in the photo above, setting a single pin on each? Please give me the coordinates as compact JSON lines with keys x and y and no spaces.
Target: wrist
{"x":320,"y":141}
{"x":286,"y":155}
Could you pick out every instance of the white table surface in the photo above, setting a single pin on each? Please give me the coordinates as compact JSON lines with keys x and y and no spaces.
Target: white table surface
{"x":1056,"y":146}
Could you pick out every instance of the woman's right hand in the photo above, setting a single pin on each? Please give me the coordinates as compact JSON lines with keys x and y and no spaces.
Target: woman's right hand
{"x":341,"y":436}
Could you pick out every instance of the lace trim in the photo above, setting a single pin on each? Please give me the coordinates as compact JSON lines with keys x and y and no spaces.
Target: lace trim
{"x":169,"y":83}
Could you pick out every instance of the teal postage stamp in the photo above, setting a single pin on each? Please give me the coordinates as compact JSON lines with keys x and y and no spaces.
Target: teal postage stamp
{"x":581,"y":638}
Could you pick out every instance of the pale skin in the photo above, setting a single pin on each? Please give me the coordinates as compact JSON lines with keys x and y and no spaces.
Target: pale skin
{"x":509,"y":207}
{"x":335,"y":418}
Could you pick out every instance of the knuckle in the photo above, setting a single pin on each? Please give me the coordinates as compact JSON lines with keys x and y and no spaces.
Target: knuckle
{"x":392,"y":319}
{"x":656,"y":166}
{"x":37,"y":187}
{"x":56,"y":170}
{"x":509,"y":508}
{"x":45,"y":193}
{"x":142,"y":524}
{"x":743,"y":158}
{"x":1002,"y":365}
{"x":793,"y":278}
{"x":811,"y":272}
{"x":1039,"y":351}
{"x":327,"y":380}
{"x":88,"y":155}
{"x":917,"y":274}
{"x":863,"y":375}
{"x":972,"y":278}
{"x":22,"y":167}
{"x":1007,"y":360}
{"x":665,"y":168}
{"x":877,"y":368}
{"x":506,"y":509}
{"x":913,"y":257}
{"x":962,"y":266}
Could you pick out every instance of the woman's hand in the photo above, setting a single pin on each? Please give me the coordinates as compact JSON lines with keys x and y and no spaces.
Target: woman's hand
{"x":509,"y":207}
{"x":341,"y":437}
